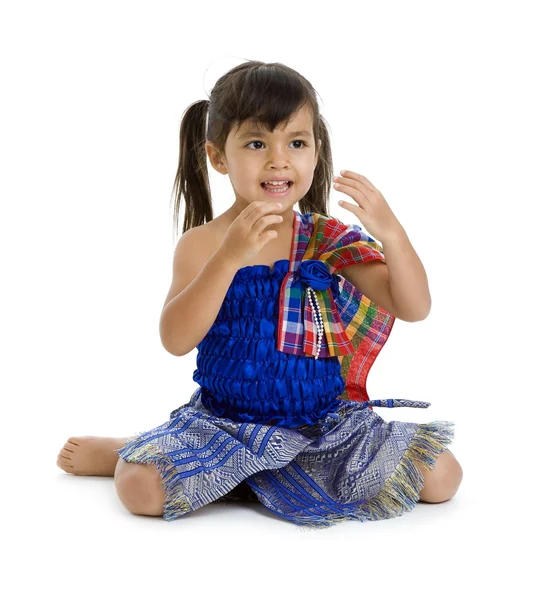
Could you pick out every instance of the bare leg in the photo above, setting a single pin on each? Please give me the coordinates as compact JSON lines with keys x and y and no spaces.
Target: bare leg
{"x":90,"y":455}
{"x":139,"y":487}
{"x":443,"y":481}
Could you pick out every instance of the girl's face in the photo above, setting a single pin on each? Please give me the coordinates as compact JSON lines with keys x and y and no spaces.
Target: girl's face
{"x":252,"y":157}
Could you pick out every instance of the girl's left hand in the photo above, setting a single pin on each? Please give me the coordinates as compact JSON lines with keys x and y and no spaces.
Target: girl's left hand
{"x":373,"y":211}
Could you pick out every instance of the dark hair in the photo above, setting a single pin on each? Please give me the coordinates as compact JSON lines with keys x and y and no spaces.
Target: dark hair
{"x":268,"y":93}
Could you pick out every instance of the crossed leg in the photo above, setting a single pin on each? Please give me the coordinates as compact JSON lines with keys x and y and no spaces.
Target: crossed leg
{"x":443,"y":481}
{"x":139,"y":486}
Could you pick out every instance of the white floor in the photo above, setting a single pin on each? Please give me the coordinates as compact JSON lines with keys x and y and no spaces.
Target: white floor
{"x":449,"y":109}
{"x":71,"y":535}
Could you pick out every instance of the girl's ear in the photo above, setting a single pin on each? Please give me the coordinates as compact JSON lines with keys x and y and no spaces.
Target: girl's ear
{"x":216,"y":158}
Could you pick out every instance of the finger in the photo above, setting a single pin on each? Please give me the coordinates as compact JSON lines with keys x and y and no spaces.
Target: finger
{"x":358,"y":196}
{"x":266,"y":208}
{"x":350,"y":183}
{"x":352,"y":208}
{"x":360,"y":178}
{"x":359,"y":212}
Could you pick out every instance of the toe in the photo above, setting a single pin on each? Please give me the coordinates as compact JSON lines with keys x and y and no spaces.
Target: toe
{"x":64,"y":466}
{"x":73,"y":441}
{"x":64,"y":459}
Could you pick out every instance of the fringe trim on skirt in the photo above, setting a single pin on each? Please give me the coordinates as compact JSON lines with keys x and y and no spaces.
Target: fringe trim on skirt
{"x":176,"y":505}
{"x":401,"y":491}
{"x":399,"y":494}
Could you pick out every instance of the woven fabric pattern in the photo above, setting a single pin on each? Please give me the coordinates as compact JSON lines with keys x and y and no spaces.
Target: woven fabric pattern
{"x":351,"y":465}
{"x":272,"y":424}
{"x":355,"y":328}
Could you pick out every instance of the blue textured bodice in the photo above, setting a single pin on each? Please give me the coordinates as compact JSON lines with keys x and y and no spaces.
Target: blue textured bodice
{"x":244,"y":377}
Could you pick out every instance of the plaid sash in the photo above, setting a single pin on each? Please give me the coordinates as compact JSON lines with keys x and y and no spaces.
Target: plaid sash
{"x":354,"y":328}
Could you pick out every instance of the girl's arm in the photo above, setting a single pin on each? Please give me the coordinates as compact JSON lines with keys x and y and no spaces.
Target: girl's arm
{"x":399,"y":287}
{"x":188,"y":315}
{"x":408,"y":284}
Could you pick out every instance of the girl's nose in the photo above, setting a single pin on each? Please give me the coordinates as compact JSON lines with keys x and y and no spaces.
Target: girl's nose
{"x":278,"y":160}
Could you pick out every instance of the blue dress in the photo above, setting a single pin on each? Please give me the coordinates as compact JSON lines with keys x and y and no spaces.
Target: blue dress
{"x":244,"y":377}
{"x":269,"y":427}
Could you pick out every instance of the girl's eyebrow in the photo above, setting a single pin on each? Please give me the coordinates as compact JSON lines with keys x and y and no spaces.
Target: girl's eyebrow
{"x":255,"y":132}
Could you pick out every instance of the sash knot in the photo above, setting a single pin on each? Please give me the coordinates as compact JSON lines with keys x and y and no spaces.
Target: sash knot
{"x":315,"y":274}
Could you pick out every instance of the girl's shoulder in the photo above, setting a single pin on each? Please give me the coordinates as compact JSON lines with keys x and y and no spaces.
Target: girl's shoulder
{"x":193,"y":250}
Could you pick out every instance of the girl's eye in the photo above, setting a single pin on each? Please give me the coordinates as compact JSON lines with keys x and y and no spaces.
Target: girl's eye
{"x":259,"y":142}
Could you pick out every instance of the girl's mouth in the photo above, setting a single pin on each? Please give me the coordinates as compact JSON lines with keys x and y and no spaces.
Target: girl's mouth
{"x":277,"y":190}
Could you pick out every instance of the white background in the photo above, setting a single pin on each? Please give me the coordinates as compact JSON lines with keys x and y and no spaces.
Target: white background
{"x":448,"y":108}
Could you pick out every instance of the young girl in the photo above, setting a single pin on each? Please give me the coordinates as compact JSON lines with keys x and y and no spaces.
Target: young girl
{"x":288,"y":311}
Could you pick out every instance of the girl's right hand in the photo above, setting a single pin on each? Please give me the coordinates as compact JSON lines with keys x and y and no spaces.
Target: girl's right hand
{"x":246,"y":237}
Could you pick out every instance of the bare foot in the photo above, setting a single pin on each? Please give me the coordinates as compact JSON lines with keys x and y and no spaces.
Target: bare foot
{"x":90,"y":455}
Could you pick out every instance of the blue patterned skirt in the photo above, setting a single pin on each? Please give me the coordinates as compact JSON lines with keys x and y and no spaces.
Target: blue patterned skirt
{"x":351,"y":465}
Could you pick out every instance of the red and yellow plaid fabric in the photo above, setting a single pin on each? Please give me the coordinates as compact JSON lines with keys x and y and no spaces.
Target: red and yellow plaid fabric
{"x":354,"y":328}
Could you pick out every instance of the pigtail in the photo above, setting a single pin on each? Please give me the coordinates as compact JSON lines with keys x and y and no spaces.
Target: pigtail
{"x":192,"y":177}
{"x":269,"y":93}
{"x":315,"y":201}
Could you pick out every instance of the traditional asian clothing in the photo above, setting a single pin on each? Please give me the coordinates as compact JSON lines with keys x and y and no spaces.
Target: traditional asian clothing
{"x":281,"y":414}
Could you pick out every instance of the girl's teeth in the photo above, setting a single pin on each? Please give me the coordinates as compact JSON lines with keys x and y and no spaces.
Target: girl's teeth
{"x":275,"y":188}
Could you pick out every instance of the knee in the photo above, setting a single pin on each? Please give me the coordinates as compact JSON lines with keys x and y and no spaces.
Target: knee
{"x":140,"y":489}
{"x":442,"y":483}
